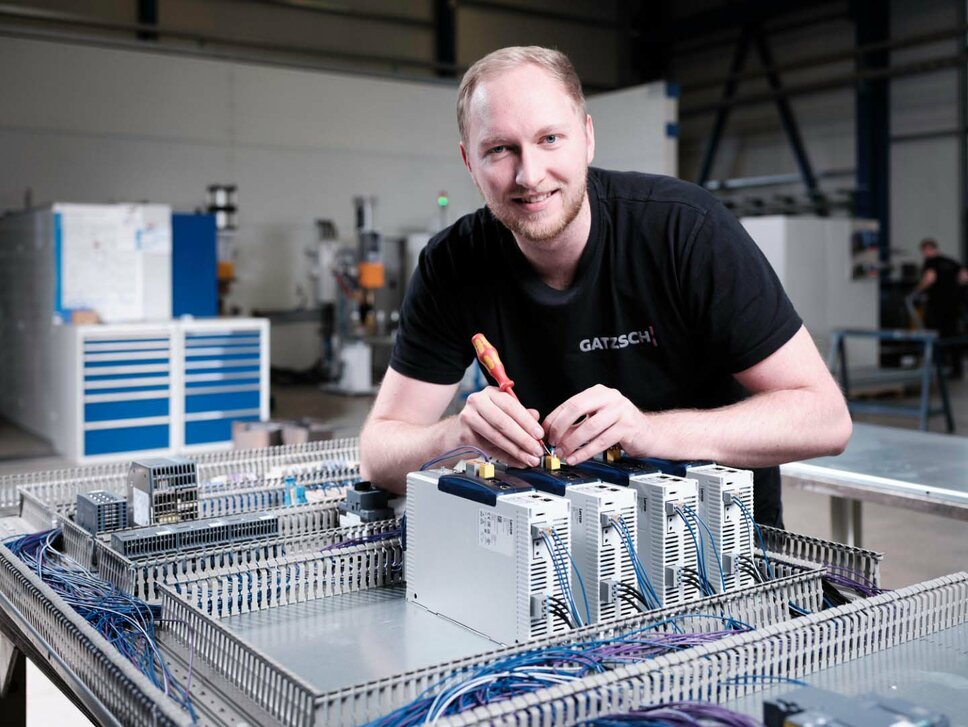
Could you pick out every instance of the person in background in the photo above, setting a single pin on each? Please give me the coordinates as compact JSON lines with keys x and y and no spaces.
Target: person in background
{"x":942,"y":282}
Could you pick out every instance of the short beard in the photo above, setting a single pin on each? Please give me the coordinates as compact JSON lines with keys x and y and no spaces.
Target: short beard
{"x":541,"y":231}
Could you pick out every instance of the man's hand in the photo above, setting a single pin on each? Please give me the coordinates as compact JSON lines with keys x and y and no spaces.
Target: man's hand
{"x":592,"y":421}
{"x":500,"y":425}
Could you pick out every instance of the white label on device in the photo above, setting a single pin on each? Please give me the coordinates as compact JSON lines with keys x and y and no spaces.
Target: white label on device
{"x":495,"y":532}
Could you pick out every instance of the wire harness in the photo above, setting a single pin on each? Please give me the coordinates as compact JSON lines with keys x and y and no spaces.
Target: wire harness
{"x":128,"y":623}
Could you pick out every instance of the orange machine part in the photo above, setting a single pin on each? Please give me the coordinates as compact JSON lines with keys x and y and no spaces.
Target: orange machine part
{"x":371,"y":275}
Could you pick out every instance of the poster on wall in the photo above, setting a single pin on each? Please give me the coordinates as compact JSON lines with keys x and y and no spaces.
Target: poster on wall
{"x":113,"y":260}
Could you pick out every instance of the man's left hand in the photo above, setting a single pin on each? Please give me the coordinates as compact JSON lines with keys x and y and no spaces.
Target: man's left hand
{"x":592,"y":421}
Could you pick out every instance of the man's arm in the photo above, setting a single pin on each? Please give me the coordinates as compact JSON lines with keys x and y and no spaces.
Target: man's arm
{"x":796,"y":411}
{"x":928,"y":279}
{"x":404,"y":428}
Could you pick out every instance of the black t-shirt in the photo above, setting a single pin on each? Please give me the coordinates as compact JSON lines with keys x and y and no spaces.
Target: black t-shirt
{"x":671,"y":297}
{"x":944,"y":295}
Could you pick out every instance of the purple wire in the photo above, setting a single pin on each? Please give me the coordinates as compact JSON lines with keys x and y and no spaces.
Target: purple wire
{"x":375,"y":538}
{"x":854,"y":575}
{"x":688,"y":713}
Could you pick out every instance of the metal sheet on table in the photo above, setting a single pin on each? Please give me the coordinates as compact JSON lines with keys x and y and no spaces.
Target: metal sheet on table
{"x":931,"y":671}
{"x":344,"y":640}
{"x":900,"y":461}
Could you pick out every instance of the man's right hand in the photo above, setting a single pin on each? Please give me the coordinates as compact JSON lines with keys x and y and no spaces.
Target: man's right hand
{"x":497,"y":423}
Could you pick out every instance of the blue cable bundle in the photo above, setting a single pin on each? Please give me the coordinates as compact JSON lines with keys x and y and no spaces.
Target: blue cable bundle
{"x":556,"y":547}
{"x":530,"y":671}
{"x":689,"y":515}
{"x":649,"y":596}
{"x":125,"y":621}
{"x":759,"y":535}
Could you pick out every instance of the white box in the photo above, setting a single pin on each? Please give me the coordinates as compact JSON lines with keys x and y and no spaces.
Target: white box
{"x":482,"y":562}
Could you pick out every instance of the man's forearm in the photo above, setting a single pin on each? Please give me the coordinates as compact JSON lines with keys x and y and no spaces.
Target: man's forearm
{"x":390,"y":449}
{"x":765,"y":430}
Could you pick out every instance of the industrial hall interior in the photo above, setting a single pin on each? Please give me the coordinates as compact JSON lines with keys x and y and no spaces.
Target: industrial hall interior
{"x":483,"y":362}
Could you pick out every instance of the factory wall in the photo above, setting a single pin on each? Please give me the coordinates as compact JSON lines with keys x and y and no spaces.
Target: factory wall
{"x":85,"y":124}
{"x":91,"y":125}
{"x":924,"y":172}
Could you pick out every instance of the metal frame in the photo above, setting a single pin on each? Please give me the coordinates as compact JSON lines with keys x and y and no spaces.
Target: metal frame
{"x":823,"y":552}
{"x":194,"y":588}
{"x":930,"y":371}
{"x":143,"y":577}
{"x":59,"y":488}
{"x":719,"y":672}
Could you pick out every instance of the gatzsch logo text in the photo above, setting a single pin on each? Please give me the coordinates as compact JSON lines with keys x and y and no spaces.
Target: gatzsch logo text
{"x":632,"y":338}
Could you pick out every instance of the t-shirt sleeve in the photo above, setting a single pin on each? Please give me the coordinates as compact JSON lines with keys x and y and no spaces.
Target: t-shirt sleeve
{"x":732,"y":293}
{"x":430,"y":345}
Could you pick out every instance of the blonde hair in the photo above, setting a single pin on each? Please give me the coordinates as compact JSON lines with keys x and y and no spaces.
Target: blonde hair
{"x":505,"y":59}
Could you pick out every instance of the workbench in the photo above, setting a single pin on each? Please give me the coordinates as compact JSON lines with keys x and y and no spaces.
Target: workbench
{"x":317,"y":640}
{"x":916,"y":470}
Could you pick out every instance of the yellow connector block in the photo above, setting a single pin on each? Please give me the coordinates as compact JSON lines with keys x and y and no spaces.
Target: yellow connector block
{"x":613,"y":453}
{"x":479,"y":468}
{"x":550,"y":462}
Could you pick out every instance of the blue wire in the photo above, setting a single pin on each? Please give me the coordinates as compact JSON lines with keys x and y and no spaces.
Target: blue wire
{"x":642,"y":577}
{"x":581,"y":581}
{"x":456,"y":452}
{"x":561,"y":571}
{"x":719,"y":560}
{"x":759,"y":535}
{"x":706,"y":588}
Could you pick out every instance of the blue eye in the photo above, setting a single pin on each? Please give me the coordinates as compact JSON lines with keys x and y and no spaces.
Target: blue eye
{"x":497,"y":149}
{"x":551,"y":138}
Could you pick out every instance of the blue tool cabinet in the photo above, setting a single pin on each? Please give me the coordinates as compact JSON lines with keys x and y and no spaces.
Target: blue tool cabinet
{"x":129,"y":389}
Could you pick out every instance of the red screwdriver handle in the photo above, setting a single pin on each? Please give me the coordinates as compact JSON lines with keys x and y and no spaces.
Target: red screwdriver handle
{"x":487,"y":355}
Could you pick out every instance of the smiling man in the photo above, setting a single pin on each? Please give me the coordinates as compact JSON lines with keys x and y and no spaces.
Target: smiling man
{"x":630,"y":309}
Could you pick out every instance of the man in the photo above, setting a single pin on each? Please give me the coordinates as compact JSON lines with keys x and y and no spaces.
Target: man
{"x":630,"y":309}
{"x":941,"y":281}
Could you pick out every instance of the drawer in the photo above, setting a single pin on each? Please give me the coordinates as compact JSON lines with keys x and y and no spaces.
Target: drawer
{"x":137,"y":409}
{"x":229,"y":401}
{"x":213,"y":430}
{"x":126,"y":439}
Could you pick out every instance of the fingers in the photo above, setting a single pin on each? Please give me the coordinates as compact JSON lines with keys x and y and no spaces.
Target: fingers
{"x":594,"y":435}
{"x":503,"y":422}
{"x":597,"y":445}
{"x":558,"y":423}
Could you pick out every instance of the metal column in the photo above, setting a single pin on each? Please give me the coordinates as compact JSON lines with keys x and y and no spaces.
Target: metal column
{"x":872,"y":23}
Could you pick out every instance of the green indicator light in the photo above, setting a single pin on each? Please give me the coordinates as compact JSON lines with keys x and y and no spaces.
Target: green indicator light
{"x":442,"y":201}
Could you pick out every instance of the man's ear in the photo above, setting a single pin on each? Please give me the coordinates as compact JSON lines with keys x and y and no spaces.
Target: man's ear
{"x":590,"y":137}
{"x":464,"y":157}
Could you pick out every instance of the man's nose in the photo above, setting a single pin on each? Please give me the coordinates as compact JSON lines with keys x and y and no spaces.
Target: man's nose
{"x":530,"y":169}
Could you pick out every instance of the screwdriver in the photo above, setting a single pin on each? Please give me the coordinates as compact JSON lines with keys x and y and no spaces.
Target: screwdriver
{"x":488,"y":356}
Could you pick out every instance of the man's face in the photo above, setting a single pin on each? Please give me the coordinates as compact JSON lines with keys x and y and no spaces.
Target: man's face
{"x":528,"y":148}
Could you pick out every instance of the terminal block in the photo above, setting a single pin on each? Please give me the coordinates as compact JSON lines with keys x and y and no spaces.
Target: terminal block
{"x":194,"y":534}
{"x":365,"y":503}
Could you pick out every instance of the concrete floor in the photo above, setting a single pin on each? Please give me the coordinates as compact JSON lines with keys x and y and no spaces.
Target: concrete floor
{"x":916,"y":547}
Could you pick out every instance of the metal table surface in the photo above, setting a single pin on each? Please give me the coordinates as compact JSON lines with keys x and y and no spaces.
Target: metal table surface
{"x":899,"y":467}
{"x":931,"y":671}
{"x":358,"y":637}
